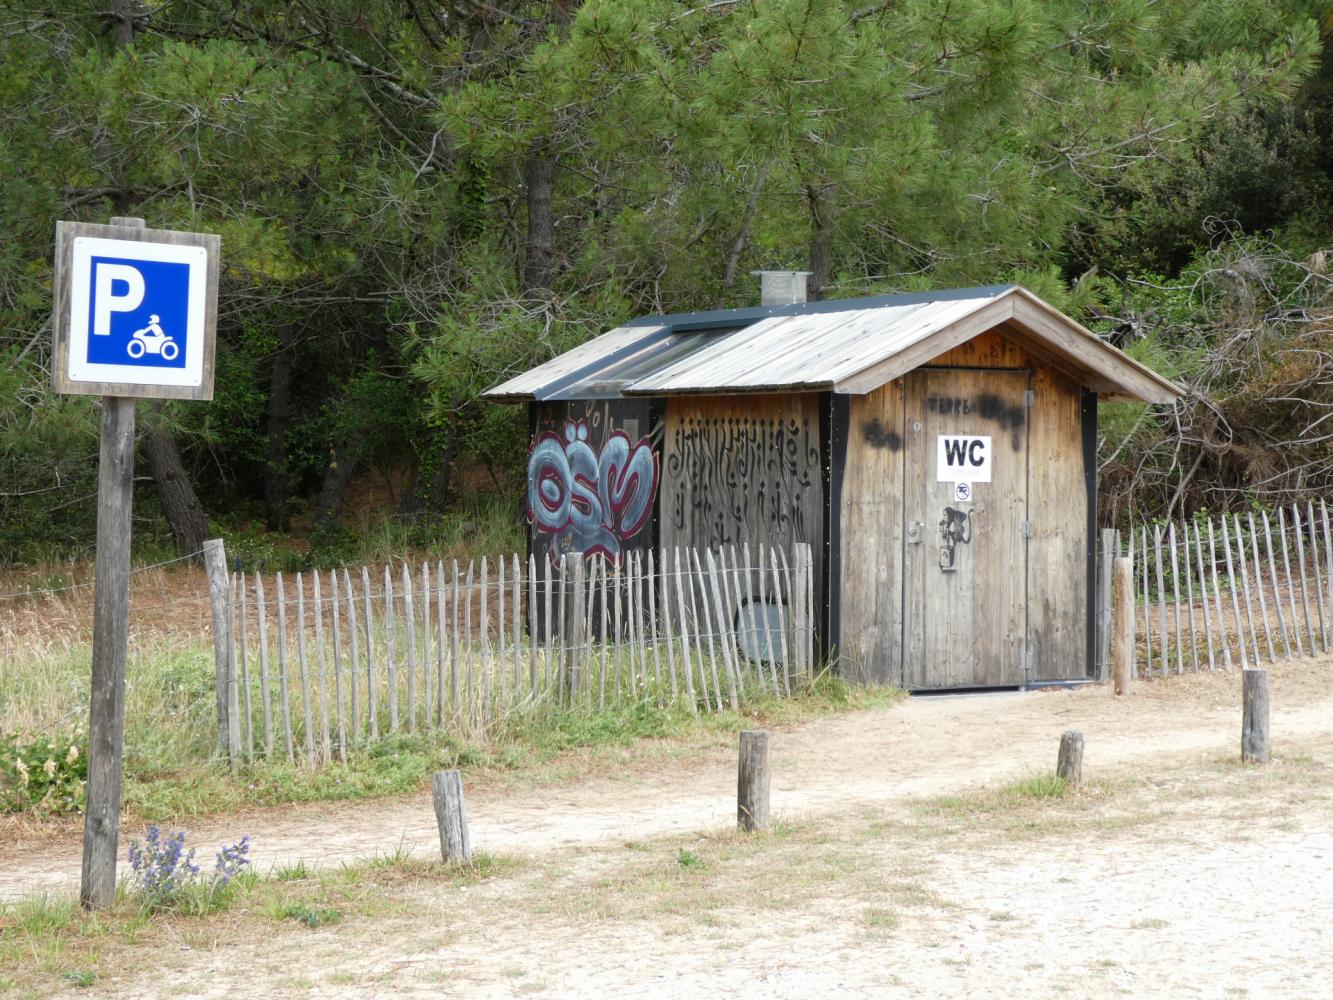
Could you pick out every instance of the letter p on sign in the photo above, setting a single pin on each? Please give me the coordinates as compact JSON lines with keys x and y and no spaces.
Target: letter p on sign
{"x":108,"y":298}
{"x":963,"y":458}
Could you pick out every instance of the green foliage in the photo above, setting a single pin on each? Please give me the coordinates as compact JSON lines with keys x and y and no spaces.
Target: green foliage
{"x":311,"y":916}
{"x":43,"y":775}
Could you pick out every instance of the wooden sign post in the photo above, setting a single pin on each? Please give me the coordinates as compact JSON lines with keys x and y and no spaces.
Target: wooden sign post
{"x":135,"y":313}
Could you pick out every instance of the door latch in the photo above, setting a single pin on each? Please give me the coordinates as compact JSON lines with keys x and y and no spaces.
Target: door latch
{"x":913,"y":532}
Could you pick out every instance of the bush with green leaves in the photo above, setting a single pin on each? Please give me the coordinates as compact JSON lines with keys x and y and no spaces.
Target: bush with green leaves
{"x":45,"y":774}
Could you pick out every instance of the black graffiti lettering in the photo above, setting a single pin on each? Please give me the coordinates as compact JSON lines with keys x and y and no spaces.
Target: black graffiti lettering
{"x":879,"y":436}
{"x":976,"y":453}
{"x":954,"y":452}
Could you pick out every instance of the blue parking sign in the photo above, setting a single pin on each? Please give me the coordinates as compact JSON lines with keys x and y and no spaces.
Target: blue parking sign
{"x":134,"y":315}
{"x":138,"y":312}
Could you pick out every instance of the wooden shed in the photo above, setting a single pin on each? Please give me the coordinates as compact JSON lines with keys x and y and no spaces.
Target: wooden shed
{"x":937,"y":450}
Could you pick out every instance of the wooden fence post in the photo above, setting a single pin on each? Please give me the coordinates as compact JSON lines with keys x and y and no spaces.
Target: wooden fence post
{"x":1122,"y":663}
{"x":1069,"y":762}
{"x":215,"y":564}
{"x":446,"y":791}
{"x":111,"y":598}
{"x":1254,"y":718}
{"x":752,"y":781}
{"x":1104,"y":573}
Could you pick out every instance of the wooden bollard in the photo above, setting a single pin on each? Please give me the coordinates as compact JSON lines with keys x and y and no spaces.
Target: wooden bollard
{"x":446,"y":789}
{"x":1069,"y":763}
{"x":752,"y":781}
{"x":1122,"y":628}
{"x":1254,"y":718}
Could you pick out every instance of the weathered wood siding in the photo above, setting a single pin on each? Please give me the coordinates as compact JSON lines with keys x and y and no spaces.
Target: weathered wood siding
{"x":1058,"y":549}
{"x":967,"y":626}
{"x":742,"y":469}
{"x":870,"y":600}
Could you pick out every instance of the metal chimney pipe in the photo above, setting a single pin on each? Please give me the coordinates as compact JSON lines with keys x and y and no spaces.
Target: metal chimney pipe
{"x":782,"y":288}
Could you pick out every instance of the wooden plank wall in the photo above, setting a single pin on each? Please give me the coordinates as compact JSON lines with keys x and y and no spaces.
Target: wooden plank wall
{"x":740,"y":470}
{"x":872,"y":517}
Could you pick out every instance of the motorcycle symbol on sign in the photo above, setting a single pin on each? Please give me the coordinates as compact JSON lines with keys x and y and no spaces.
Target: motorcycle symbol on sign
{"x":152,"y":340}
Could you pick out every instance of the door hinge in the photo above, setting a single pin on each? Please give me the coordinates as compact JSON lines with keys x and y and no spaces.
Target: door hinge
{"x":1026,"y":529}
{"x":1030,"y":398}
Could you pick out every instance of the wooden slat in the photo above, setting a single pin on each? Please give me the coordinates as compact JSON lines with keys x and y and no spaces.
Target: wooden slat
{"x":1235,"y":600}
{"x":354,"y":673}
{"x":515,"y":605}
{"x":338,"y":705}
{"x":651,"y":583}
{"x":1175,"y":594}
{"x":598,"y":571}
{"x":284,"y":695}
{"x":1245,"y":585}
{"x":725,"y":639}
{"x":247,"y":710}
{"x":265,"y":688}
{"x":1259,"y":586}
{"x":441,"y":645}
{"x":1217,"y":599}
{"x":1328,"y":557}
{"x":1305,"y":588}
{"x":454,"y":701}
{"x":1165,"y":660}
{"x":1189,"y":596}
{"x":637,"y":647}
{"x":1277,"y":591}
{"x":390,"y":653}
{"x":1144,"y":560}
{"x":427,"y":673}
{"x":484,"y":624}
{"x":372,"y":693}
{"x":768,"y":632}
{"x":668,"y":631}
{"x":785,"y":606}
{"x":533,"y":691}
{"x":501,"y":665}
{"x":1318,"y":576}
{"x":550,"y":627}
{"x":684,"y":639}
{"x":410,"y":665}
{"x":1291,"y":587}
{"x":307,"y":707}
{"x":699,"y":585}
{"x":1203,"y":587}
{"x":469,"y":699}
{"x":556,"y":684}
{"x":322,"y":675}
{"x":791,"y":636}
{"x":619,"y":625}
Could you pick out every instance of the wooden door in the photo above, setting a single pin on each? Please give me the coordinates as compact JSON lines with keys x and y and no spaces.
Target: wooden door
{"x":964,"y":550}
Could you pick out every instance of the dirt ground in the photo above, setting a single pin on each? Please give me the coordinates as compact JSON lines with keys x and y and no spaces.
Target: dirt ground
{"x":1186,"y":876}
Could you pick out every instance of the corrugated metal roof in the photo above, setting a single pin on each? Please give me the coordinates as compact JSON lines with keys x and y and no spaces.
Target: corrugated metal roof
{"x":849,"y":345}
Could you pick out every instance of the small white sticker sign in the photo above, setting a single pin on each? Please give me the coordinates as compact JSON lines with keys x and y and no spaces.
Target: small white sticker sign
{"x":962,"y":492}
{"x":963,"y":458}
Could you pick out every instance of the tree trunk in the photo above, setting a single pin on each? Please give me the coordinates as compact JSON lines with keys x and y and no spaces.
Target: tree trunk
{"x":409,"y":501}
{"x":820,"y":200}
{"x":275,"y":456}
{"x":539,"y":264}
{"x":337,"y":476}
{"x":180,"y":505}
{"x":439,"y":493}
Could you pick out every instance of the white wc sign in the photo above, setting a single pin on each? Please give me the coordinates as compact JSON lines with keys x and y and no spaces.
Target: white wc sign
{"x":135,"y":311}
{"x":963,"y":458}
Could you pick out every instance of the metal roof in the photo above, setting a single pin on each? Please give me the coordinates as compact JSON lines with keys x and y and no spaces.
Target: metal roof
{"x":845,"y":346}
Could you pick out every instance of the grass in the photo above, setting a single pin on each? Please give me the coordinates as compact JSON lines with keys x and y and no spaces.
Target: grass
{"x":50,"y":942}
{"x":173,"y":770}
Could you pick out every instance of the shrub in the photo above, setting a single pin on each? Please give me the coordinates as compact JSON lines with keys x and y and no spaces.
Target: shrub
{"x":46,"y":775}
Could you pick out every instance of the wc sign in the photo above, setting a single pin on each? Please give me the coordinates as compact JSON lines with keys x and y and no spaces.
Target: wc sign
{"x":135,"y":311}
{"x":963,"y":458}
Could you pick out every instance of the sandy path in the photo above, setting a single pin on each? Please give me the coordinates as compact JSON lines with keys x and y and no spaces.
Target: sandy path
{"x":923,"y":746}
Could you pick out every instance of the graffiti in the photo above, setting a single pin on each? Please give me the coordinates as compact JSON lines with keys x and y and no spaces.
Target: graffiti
{"x":948,"y":404}
{"x":731,"y":474}
{"x":592,"y":501}
{"x":879,"y":436}
{"x":955,"y":529}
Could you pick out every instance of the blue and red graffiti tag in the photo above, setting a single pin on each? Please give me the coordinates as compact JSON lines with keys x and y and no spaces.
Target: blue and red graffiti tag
{"x":593,"y":501}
